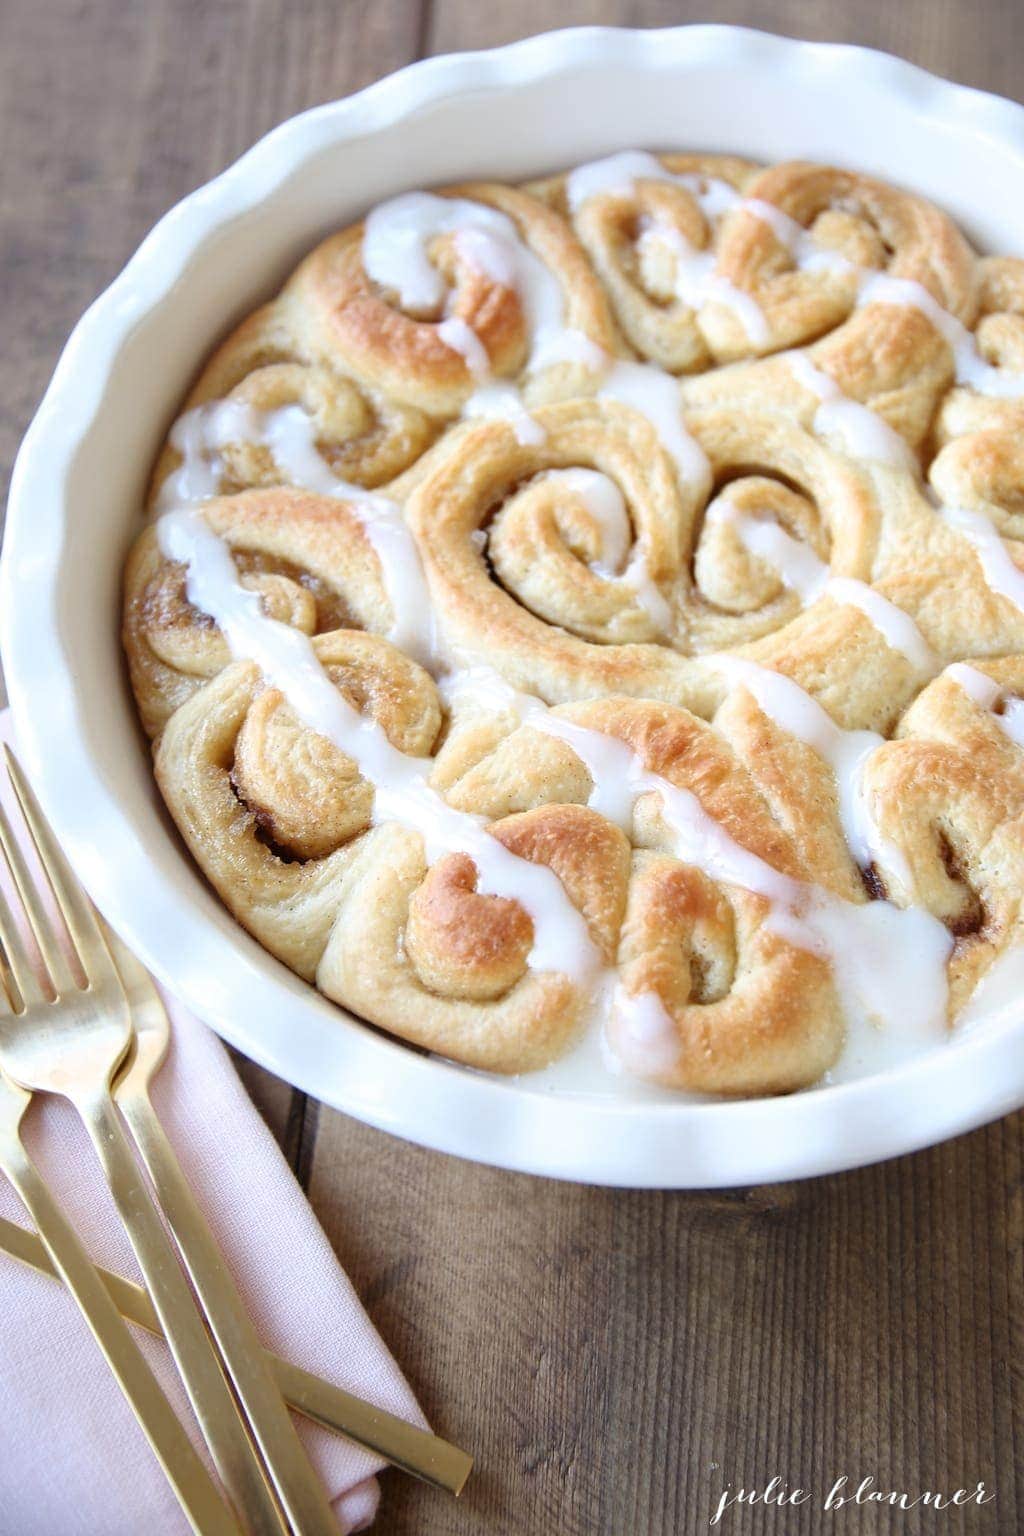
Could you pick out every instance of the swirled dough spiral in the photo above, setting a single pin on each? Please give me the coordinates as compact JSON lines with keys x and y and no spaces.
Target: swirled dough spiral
{"x":307,"y":557}
{"x":521,"y":578}
{"x":949,"y":793}
{"x":400,"y":347}
{"x":642,"y":232}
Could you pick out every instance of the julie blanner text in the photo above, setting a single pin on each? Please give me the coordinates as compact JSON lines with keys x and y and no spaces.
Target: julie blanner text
{"x":844,"y":1493}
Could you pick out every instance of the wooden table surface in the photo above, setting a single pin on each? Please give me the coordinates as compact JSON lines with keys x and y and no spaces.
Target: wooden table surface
{"x":613,"y":1359}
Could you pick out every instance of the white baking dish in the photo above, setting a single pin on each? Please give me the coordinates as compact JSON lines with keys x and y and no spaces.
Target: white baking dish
{"x":74,"y":507}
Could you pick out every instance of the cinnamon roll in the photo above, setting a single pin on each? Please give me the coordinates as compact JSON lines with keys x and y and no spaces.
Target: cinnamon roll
{"x":308,"y":560}
{"x":988,"y":393}
{"x":862,"y":287}
{"x":279,"y":361}
{"x":437,"y":290}
{"x":590,"y":563}
{"x":650,"y":226}
{"x":948,"y":795}
{"x":593,"y":612}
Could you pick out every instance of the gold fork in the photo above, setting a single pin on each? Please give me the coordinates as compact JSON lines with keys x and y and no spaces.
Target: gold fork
{"x":72,"y":1043}
{"x":298,"y":1489}
{"x":206,"y":1511}
{"x":404,"y":1445}
{"x":262,"y":1381}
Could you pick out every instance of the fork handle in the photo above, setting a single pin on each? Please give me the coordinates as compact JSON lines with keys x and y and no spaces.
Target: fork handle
{"x":414,"y":1450}
{"x":298,"y":1487}
{"x":224,"y":1431}
{"x":193,"y":1486}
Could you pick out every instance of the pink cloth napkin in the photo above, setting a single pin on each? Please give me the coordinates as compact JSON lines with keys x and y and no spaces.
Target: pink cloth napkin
{"x":73,"y":1458}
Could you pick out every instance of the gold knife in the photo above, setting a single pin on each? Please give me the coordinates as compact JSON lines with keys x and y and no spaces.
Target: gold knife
{"x":404,"y":1445}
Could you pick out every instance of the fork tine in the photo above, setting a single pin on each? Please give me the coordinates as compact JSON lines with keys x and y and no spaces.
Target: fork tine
{"x":6,"y":984}
{"x":39,"y":920}
{"x":70,"y":898}
{"x":18,"y":961}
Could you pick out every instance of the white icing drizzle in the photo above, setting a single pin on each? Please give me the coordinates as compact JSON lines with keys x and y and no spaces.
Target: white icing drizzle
{"x":795,"y":563}
{"x":592,"y":1068}
{"x":697,"y":282}
{"x":889,"y":1018}
{"x":846,"y":752}
{"x":800,"y":570}
{"x":806,"y":253}
{"x":396,"y":243}
{"x":984,"y":690}
{"x":288,"y":661}
{"x":397,"y":236}
{"x":289,"y":433}
{"x":970,"y":367}
{"x":1001,"y":573}
{"x":655,"y":395}
{"x":461,"y":338}
{"x":859,"y":431}
{"x":641,"y":1033}
{"x":895,"y":958}
{"x":395,"y":253}
{"x":607,"y":508}
{"x":888,"y":963}
{"x":619,"y":561}
{"x":896,"y":627}
{"x":504,"y":402}
{"x":482,"y":687}
{"x":874,"y":287}
{"x":198,"y":437}
{"x":618,"y":175}
{"x":987,"y":694}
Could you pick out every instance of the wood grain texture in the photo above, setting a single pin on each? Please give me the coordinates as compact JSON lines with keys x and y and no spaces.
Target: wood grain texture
{"x":616,"y":1358}
{"x":613,"y":1359}
{"x":980,"y":44}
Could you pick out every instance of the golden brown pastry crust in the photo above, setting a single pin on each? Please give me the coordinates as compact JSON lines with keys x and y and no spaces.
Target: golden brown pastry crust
{"x":309,"y":558}
{"x":403,"y":355}
{"x":949,"y":793}
{"x":999,"y":331}
{"x":891,"y":359}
